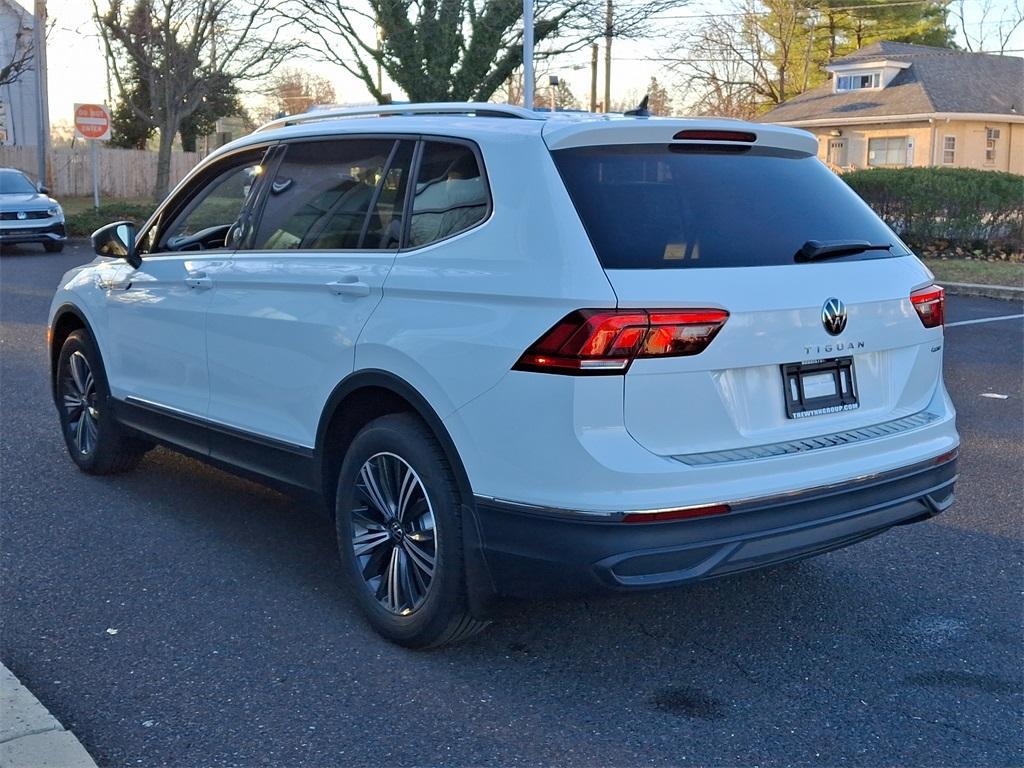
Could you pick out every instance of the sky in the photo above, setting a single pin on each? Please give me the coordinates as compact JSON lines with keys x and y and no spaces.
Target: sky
{"x":77,"y":68}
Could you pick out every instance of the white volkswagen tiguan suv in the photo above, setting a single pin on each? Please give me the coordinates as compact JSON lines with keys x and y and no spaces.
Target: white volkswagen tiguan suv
{"x":519,"y":354}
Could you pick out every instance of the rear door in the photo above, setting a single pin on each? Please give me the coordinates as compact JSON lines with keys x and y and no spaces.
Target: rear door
{"x":720,"y":226}
{"x":290,"y":305}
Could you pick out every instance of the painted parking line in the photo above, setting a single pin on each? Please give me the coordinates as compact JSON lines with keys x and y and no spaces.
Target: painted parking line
{"x":985,"y":320}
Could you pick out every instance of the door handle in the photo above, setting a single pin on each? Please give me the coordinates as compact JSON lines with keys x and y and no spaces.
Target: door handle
{"x":349,"y":286}
{"x":198,"y":280}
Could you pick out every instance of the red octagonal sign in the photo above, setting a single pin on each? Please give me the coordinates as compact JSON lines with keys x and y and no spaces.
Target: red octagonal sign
{"x":92,"y":121}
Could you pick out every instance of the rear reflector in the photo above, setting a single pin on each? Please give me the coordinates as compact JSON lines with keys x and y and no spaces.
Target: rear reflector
{"x":676,"y":514}
{"x":706,"y":135}
{"x":930,"y":303}
{"x":606,"y":341}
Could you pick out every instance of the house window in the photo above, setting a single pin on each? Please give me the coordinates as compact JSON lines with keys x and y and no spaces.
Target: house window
{"x":991,"y":137}
{"x":948,"y":150}
{"x":891,"y":150}
{"x":858,"y":82}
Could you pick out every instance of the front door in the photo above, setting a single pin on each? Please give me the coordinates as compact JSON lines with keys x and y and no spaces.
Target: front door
{"x":837,"y":152}
{"x":288,"y":309}
{"x":157,"y":313}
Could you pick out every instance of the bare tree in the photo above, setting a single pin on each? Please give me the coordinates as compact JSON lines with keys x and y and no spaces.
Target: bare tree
{"x":293,"y":91}
{"x":179,"y":49}
{"x":733,"y":63}
{"x":20,"y":60}
{"x":451,"y":50}
{"x":989,"y":32}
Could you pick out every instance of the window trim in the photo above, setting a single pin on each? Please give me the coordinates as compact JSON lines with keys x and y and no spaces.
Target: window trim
{"x":278,"y":159}
{"x":410,"y":199}
{"x":946,"y":148}
{"x":904,"y":164}
{"x":876,"y":81}
{"x":992,"y":145}
{"x":183,"y":193}
{"x":419,"y":139}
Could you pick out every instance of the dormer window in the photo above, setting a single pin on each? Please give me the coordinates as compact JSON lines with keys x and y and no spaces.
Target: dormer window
{"x":858,"y":81}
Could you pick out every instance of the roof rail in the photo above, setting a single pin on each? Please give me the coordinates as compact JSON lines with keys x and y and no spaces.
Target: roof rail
{"x":480,"y":109}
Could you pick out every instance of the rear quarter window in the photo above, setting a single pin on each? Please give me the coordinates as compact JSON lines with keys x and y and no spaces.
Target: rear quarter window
{"x":678,"y":207}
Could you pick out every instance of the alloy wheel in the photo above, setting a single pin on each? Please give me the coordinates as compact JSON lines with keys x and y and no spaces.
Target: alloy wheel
{"x":78,"y":398}
{"x":393,"y":535}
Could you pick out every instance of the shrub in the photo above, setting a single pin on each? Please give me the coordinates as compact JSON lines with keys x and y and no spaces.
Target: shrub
{"x":84,"y":223}
{"x":947,"y":208}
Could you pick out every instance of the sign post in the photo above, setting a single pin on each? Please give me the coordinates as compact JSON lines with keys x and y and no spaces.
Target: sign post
{"x":92,"y":122}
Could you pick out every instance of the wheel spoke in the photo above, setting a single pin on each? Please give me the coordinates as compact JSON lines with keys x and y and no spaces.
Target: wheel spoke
{"x":405,"y":493}
{"x":79,"y":371}
{"x":393,"y":597}
{"x":372,"y":491}
{"x":409,"y":592}
{"x":80,"y":433}
{"x":90,"y":430}
{"x":368,"y":540}
{"x":420,"y":557}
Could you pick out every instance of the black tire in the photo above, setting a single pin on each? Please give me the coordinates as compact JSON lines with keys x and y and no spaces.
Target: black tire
{"x":54,"y":246}
{"x":95,"y":441}
{"x":415,"y":616}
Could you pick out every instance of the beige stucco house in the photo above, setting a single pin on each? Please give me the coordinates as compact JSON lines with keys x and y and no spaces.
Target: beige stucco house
{"x":896,"y":104}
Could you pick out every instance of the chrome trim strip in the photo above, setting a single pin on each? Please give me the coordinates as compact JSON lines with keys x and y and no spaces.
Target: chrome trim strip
{"x":807,"y":444}
{"x":737,"y":505}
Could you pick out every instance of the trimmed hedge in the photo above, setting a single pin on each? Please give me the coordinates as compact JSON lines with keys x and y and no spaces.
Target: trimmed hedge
{"x":948,"y":209}
{"x":88,"y":221}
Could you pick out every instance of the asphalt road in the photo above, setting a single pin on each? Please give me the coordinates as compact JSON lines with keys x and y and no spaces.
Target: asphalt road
{"x":235,"y":646}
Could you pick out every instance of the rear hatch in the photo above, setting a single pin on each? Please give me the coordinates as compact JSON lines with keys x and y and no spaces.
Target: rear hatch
{"x":731,"y":223}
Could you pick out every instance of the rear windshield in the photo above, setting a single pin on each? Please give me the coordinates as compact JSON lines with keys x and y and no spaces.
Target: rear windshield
{"x":663,"y":207}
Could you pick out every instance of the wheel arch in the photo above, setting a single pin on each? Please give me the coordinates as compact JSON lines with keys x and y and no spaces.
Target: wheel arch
{"x":366,"y":395}
{"x":66,"y":320}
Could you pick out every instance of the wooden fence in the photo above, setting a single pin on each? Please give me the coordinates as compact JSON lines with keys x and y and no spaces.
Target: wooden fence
{"x":124,"y":173}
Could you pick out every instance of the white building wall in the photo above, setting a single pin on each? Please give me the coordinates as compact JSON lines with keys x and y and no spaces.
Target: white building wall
{"x":19,"y":113}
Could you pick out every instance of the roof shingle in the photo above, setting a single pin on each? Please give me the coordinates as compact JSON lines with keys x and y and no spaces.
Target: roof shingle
{"x":938,"y":80}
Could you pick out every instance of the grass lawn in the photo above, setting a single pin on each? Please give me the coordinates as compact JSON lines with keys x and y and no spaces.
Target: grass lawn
{"x":974,"y":271}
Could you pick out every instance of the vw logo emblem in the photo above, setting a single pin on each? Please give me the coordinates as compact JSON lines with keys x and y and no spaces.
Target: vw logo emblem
{"x":22,"y":215}
{"x":833,"y":316}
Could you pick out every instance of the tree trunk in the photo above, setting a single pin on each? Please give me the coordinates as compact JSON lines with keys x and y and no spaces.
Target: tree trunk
{"x":163,"y":161}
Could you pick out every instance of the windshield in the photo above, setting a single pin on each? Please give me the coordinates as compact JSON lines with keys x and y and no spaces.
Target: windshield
{"x":15,"y":183}
{"x":667,"y":207}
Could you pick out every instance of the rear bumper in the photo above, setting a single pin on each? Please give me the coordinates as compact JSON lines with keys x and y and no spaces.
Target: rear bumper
{"x":44,"y":233}
{"x":529,"y":551}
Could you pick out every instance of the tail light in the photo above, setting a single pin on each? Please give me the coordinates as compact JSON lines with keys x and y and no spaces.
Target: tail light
{"x":930,"y":303}
{"x":599,"y":341}
{"x":686,"y":513}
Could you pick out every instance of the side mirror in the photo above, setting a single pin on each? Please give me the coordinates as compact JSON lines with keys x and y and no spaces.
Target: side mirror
{"x":44,"y":190}
{"x":117,"y":240}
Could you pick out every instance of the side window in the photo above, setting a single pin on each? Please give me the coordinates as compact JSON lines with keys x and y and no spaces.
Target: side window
{"x":207,"y":218}
{"x":322,"y":192}
{"x":451,"y":193}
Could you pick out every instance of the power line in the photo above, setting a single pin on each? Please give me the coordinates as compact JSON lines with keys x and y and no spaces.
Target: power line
{"x":836,"y":9}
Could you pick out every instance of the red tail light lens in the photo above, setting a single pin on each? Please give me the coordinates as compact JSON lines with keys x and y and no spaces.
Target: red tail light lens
{"x":930,"y":304}
{"x":598,"y":341}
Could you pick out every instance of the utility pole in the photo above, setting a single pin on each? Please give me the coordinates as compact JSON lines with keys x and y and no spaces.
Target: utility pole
{"x":593,"y":77}
{"x":43,"y":115}
{"x":528,"y":54}
{"x":608,"y":29}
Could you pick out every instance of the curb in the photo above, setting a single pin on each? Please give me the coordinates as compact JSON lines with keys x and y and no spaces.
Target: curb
{"x":1006,"y":292}
{"x":30,"y":735}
